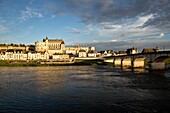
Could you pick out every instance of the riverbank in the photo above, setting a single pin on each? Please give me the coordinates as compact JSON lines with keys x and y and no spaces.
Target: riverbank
{"x":11,"y":63}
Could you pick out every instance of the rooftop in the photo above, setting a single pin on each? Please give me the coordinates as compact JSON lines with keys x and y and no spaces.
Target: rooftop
{"x":54,"y":40}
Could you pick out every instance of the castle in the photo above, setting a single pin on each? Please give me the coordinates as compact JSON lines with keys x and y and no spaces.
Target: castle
{"x":50,"y":45}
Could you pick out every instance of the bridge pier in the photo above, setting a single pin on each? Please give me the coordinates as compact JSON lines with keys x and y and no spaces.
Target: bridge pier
{"x":139,"y":62}
{"x":109,"y":60}
{"x":126,"y":62}
{"x":118,"y":62}
{"x":157,"y":65}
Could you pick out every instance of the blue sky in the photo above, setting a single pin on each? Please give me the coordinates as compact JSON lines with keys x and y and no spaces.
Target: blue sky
{"x":86,"y":21}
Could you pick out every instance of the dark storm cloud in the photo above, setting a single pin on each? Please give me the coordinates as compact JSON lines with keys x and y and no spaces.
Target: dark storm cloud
{"x":115,"y":11}
{"x":124,"y":45}
{"x":161,"y":11}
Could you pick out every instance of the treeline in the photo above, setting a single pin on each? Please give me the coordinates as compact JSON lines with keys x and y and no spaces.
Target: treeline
{"x":15,"y":45}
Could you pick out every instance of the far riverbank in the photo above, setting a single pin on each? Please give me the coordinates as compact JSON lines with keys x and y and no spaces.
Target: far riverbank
{"x":30,"y":63}
{"x":11,"y":63}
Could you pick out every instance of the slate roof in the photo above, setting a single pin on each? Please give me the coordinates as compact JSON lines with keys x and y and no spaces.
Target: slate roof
{"x":54,"y":40}
{"x":92,"y":51}
{"x":10,"y":50}
{"x":82,"y":50}
{"x":149,"y":50}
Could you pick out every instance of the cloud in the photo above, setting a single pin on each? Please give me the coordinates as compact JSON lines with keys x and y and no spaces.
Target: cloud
{"x":3,"y":29}
{"x":141,"y":20}
{"x":97,"y":11}
{"x":149,"y":13}
{"x":162,"y":34}
{"x":77,"y":31}
{"x":116,"y":19}
{"x":109,"y":32}
{"x":95,"y":41}
{"x":53,"y":17}
{"x":140,"y":43}
{"x":133,"y":23}
{"x":30,"y":13}
{"x":113,"y":40}
{"x":124,"y":45}
{"x":149,"y":37}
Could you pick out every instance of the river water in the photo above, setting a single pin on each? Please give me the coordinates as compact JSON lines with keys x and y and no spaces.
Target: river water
{"x":83,"y":89}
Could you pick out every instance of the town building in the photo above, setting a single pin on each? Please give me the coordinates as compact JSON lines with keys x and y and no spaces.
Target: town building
{"x":37,"y":56}
{"x":14,"y":47}
{"x":150,"y":50}
{"x":53,"y":49}
{"x":105,"y":53}
{"x":59,"y":57}
{"x":13,"y":52}
{"x":121,"y":52}
{"x":82,"y":53}
{"x":92,"y":53}
{"x":132,"y":50}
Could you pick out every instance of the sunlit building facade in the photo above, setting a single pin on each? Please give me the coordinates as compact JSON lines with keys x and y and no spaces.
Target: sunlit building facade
{"x":45,"y":50}
{"x":51,"y":46}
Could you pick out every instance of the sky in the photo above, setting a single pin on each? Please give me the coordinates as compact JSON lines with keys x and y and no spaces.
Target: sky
{"x":107,"y":24}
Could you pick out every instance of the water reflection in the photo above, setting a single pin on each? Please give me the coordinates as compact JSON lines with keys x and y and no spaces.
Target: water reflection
{"x":49,"y":78}
{"x":83,"y":89}
{"x":134,"y":70}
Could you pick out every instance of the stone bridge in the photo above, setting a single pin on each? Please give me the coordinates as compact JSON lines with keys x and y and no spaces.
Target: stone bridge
{"x":156,"y":60}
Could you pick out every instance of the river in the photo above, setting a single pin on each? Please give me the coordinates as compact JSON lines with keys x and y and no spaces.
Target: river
{"x":83,"y":89}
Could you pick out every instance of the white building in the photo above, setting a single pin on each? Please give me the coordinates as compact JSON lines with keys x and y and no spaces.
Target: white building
{"x":20,"y":55}
{"x":13,"y":55}
{"x":37,"y":56}
{"x":47,"y":49}
{"x":82,"y":53}
{"x":92,"y":53}
{"x":60,"y":56}
{"x":132,"y":51}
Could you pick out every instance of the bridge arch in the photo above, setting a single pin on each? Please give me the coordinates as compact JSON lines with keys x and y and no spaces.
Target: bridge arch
{"x":127,"y":62}
{"x":162,"y":59}
{"x":139,"y":62}
{"x":117,"y":61}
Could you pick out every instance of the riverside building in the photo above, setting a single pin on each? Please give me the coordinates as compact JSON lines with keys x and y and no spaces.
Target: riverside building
{"x":45,"y":50}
